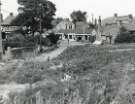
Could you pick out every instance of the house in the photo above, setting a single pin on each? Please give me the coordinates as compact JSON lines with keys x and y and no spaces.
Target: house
{"x":126,"y":19}
{"x":111,"y":27}
{"x":65,"y":25}
{"x":74,"y":32}
{"x":6,"y":24}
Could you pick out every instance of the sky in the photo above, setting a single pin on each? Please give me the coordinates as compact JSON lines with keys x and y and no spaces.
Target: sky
{"x":103,"y":8}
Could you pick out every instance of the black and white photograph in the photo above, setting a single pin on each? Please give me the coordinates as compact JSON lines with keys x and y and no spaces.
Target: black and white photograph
{"x":67,"y":52}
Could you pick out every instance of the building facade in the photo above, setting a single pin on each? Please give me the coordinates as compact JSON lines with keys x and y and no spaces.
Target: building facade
{"x":80,"y":31}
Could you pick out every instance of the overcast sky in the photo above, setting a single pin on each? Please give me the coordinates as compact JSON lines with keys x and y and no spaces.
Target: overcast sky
{"x":103,"y":8}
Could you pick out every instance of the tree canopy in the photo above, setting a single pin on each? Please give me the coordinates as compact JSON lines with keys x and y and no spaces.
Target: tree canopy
{"x":78,"y":16}
{"x":33,"y":11}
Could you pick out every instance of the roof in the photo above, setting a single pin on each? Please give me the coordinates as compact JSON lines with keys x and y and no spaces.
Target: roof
{"x":111,"y":30}
{"x":108,"y":20}
{"x":8,"y":19}
{"x":111,"y":20}
{"x":123,"y":17}
{"x":114,"y":29}
{"x":63,"y":24}
{"x":130,"y":27}
{"x":82,"y":25}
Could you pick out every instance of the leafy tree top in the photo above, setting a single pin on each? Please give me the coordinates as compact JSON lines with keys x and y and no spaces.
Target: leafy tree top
{"x":78,"y":16}
{"x":33,"y":11}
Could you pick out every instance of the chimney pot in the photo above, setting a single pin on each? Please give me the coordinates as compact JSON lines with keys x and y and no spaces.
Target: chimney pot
{"x":115,"y":15}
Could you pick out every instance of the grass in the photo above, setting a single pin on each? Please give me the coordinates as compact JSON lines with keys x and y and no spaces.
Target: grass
{"x":97,"y":72}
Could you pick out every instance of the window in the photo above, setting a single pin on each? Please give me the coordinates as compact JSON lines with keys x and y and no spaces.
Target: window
{"x":66,"y":36}
{"x":70,"y":36}
{"x":86,"y":37}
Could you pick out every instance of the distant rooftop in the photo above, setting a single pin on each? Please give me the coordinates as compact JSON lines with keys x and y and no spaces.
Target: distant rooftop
{"x":115,"y":18}
{"x":8,"y":19}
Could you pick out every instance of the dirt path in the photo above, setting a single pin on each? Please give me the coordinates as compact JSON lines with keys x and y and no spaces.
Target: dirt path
{"x":51,"y":55}
{"x":63,"y":46}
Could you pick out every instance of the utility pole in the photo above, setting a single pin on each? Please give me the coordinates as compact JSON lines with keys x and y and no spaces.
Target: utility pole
{"x":1,"y":46}
{"x":40,"y":25}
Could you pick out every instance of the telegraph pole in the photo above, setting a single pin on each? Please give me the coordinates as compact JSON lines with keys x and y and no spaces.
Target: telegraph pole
{"x":40,"y":25}
{"x":1,"y":46}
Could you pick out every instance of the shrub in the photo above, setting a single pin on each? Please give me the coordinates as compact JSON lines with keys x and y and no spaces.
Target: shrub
{"x":17,"y":40}
{"x":124,"y":36}
{"x":53,"y":38}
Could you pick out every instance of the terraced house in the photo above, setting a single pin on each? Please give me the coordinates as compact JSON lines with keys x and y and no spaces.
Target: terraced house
{"x":111,"y":26}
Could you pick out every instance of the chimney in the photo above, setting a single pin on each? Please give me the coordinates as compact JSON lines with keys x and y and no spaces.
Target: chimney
{"x":99,"y":20}
{"x":11,"y":14}
{"x":115,"y":17}
{"x":1,"y":17}
{"x":95,"y":22}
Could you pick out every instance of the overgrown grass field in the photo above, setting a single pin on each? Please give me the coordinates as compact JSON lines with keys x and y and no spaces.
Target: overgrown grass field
{"x":98,"y":72}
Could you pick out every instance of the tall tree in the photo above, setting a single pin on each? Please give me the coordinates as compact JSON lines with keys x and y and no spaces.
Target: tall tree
{"x":78,"y":16}
{"x":35,"y":10}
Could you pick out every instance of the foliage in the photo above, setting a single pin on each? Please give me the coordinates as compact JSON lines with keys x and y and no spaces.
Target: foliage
{"x":22,"y":40}
{"x":32,"y":72}
{"x":97,"y":67}
{"x":78,"y":16}
{"x":97,"y":72}
{"x":124,"y":36}
{"x":17,"y":40}
{"x":53,"y":38}
{"x":34,"y":10}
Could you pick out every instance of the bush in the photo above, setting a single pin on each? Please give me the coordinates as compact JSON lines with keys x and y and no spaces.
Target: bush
{"x":17,"y":40}
{"x":53,"y":38}
{"x":125,"y":36}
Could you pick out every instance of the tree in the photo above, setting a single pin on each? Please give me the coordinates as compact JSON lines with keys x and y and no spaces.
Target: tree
{"x":33,"y":11}
{"x":78,"y":16}
{"x":53,"y":38}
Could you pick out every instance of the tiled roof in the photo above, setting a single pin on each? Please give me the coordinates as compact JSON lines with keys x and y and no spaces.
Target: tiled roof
{"x":110,"y":30}
{"x":114,"y":29}
{"x":82,"y":24}
{"x":108,"y":20}
{"x":111,"y":20}
{"x":130,"y":27}
{"x":8,"y":20}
